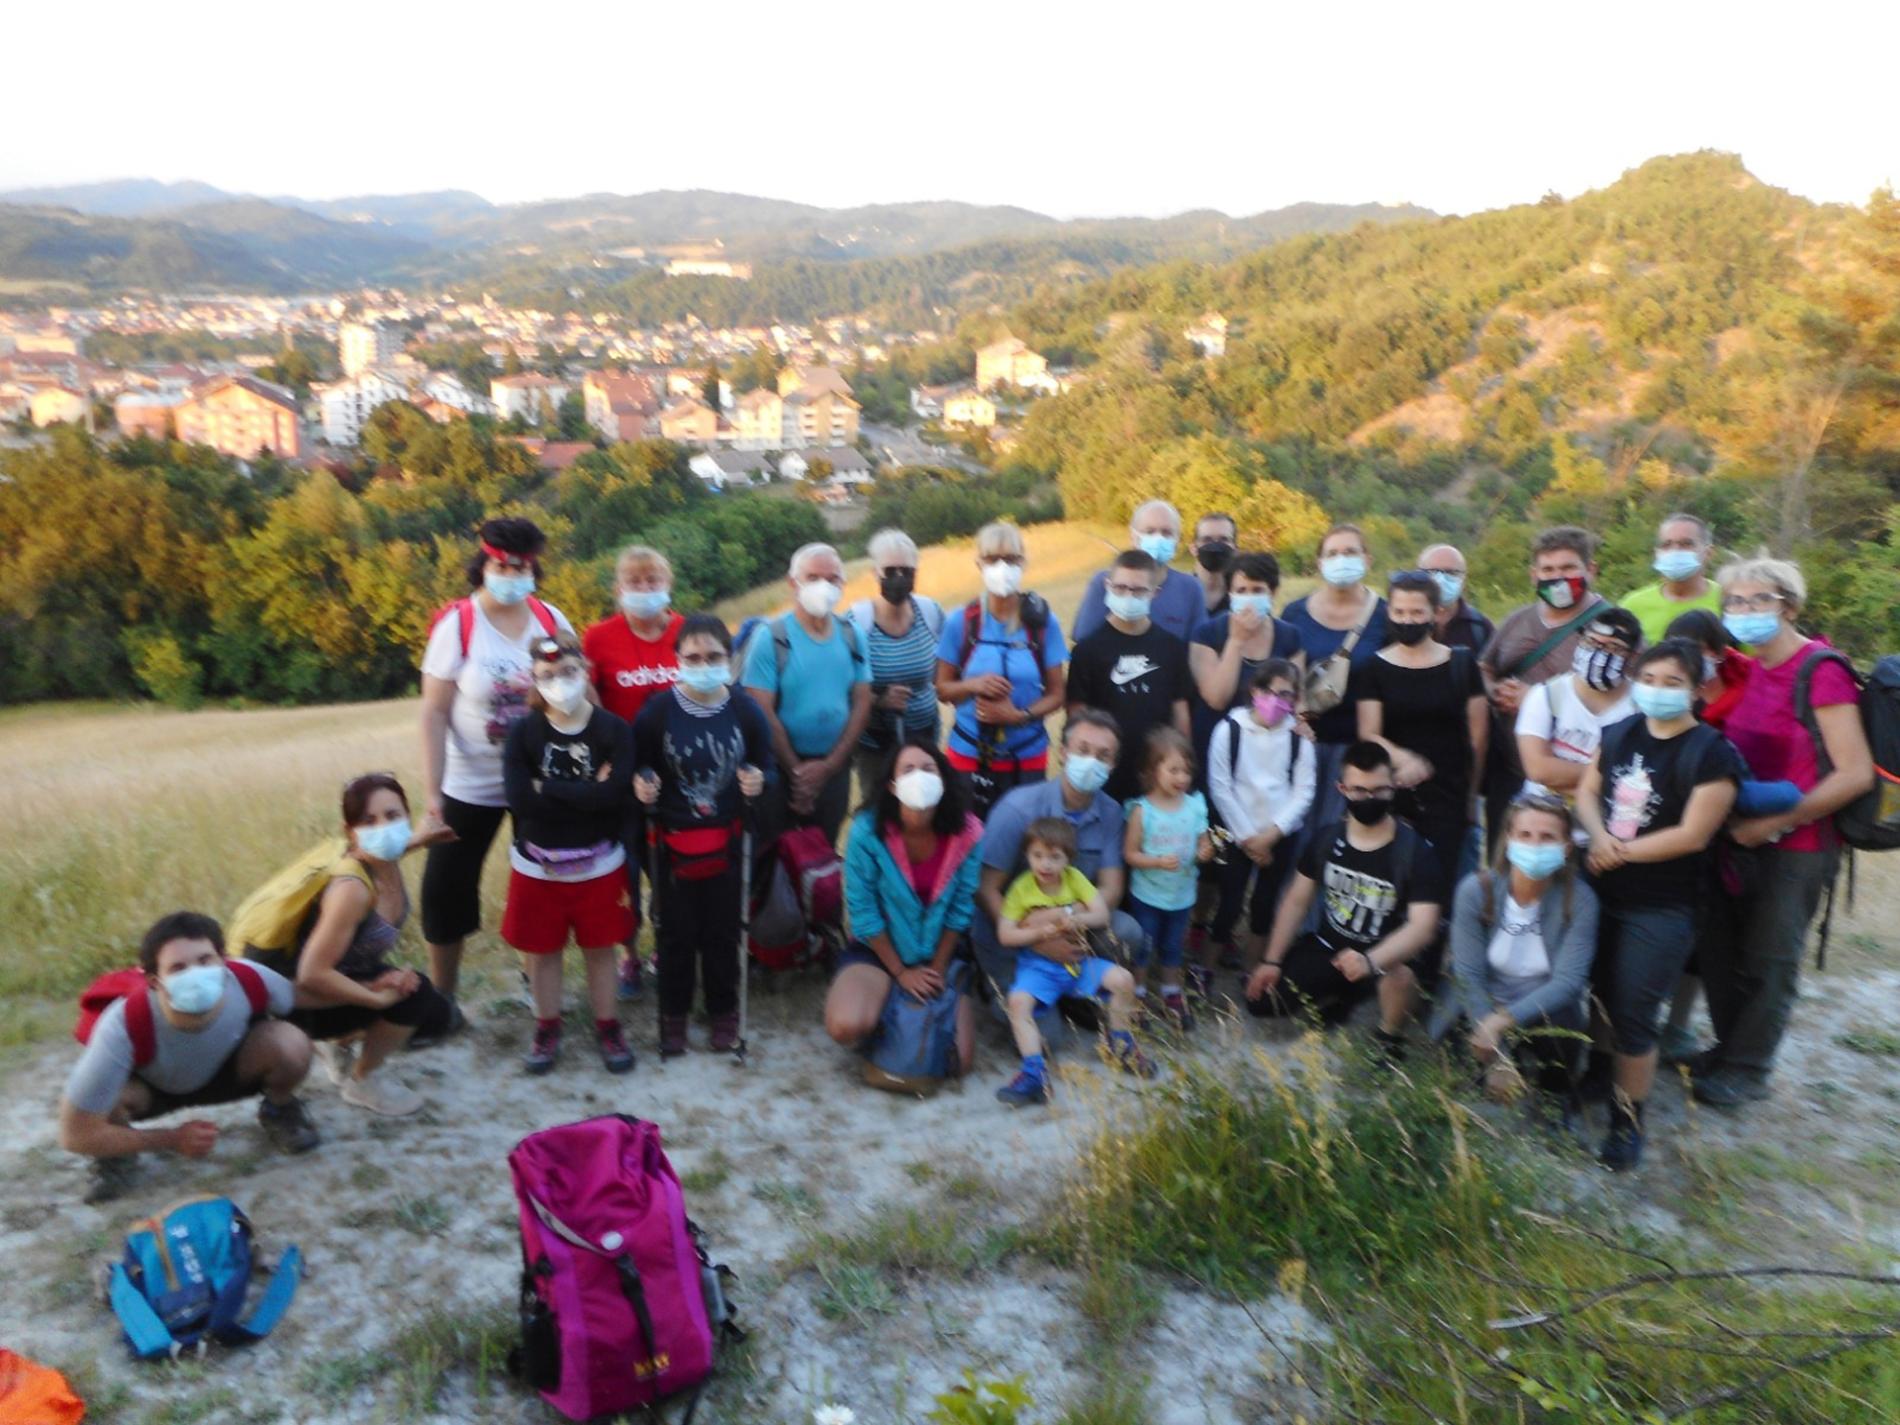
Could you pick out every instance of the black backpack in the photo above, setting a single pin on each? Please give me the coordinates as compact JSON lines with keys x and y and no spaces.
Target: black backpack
{"x":1871,"y":822}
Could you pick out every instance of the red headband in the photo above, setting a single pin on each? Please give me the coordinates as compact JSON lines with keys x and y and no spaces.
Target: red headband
{"x":505,"y":556}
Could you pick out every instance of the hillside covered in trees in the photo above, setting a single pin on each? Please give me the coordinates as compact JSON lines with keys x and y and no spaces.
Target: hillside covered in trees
{"x":1685,"y":338}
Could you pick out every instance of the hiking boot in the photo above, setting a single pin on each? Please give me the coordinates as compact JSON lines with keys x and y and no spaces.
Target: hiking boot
{"x":1175,"y":1005}
{"x":338,"y":1059}
{"x":672,"y":1035}
{"x":725,"y":1033}
{"x":630,"y":983}
{"x":1026,"y":1088}
{"x":544,"y":1050}
{"x":1730,"y":1088}
{"x":615,"y":1052}
{"x":1128,"y":1056}
{"x":1623,"y":1146}
{"x":108,"y":1179}
{"x":379,"y":1093}
{"x":289,"y":1126}
{"x":1678,"y":1046}
{"x":457,"y":1023}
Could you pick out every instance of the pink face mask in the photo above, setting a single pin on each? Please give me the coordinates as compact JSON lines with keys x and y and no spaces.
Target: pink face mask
{"x":1271,"y":708}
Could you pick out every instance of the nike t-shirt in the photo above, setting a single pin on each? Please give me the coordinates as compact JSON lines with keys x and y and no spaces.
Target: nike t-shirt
{"x":1136,"y":677}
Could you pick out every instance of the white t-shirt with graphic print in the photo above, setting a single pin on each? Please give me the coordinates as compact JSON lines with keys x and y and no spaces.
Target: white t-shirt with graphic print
{"x":491,"y":693}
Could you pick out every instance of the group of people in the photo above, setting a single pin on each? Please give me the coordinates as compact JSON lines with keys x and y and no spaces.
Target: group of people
{"x":1615,"y":801}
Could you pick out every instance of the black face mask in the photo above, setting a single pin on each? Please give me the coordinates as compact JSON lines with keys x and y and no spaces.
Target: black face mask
{"x":1215,"y":555}
{"x":1371,"y":811}
{"x":896,"y":584}
{"x":1409,"y":633}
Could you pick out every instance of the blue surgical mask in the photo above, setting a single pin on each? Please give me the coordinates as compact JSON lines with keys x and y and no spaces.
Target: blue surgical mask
{"x":1538,"y":860}
{"x":195,"y":990}
{"x":1084,"y":773}
{"x":1677,"y":563}
{"x":1159,"y":547}
{"x":1450,"y":585}
{"x":1663,"y":704}
{"x":509,"y":588}
{"x":1339,"y":570}
{"x":645,"y":603}
{"x":705,"y":677}
{"x":1261,"y":604}
{"x":1752,"y":629}
{"x":1129,"y":608}
{"x":385,"y":841}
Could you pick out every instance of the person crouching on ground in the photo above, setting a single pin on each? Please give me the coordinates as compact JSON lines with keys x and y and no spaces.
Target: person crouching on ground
{"x":910,"y":873}
{"x":1523,"y":934}
{"x":568,"y":767}
{"x":1046,"y":914}
{"x":356,"y":1005}
{"x":1165,"y":843}
{"x":1380,"y":908}
{"x":207,"y":1045}
{"x":699,"y":751}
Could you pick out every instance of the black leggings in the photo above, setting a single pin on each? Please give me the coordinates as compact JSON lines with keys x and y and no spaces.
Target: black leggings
{"x":425,"y":1010}
{"x":452,"y":875}
{"x":698,"y":937}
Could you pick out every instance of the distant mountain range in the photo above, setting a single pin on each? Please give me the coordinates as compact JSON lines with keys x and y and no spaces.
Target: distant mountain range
{"x":190,"y":236}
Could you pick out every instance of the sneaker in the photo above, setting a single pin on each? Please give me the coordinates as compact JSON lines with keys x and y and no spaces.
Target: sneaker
{"x":457,"y":1023}
{"x":672,"y":1035}
{"x":615,"y":1052}
{"x":725,"y":1033}
{"x":544,"y":1050}
{"x":1174,"y":1003}
{"x":289,"y":1126}
{"x":108,"y":1179}
{"x":1730,"y":1088}
{"x":1623,"y":1146}
{"x":630,"y":984}
{"x":379,"y":1093}
{"x":1128,"y":1056}
{"x":1678,"y":1046}
{"x":1026,"y":1088}
{"x":338,"y":1060}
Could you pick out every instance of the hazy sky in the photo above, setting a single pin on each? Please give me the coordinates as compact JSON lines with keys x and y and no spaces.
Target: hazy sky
{"x":1068,"y":108}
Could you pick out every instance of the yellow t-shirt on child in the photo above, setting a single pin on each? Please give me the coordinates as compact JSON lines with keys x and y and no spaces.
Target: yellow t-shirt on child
{"x":1026,"y":894}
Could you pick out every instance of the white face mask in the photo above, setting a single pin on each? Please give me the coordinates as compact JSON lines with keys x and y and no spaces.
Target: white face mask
{"x":819,"y":597}
{"x":1002,"y":579}
{"x":564,"y":694}
{"x":920,"y":789}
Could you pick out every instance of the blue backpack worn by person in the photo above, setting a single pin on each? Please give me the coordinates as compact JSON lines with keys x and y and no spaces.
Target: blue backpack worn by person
{"x":184,"y":1277}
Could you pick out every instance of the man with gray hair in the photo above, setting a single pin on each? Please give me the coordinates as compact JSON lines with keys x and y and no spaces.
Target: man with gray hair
{"x":1180,"y":604}
{"x":808,"y":671}
{"x":1683,"y":542}
{"x":1459,"y":624}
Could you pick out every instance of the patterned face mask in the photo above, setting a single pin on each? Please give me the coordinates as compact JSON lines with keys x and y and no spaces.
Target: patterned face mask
{"x":1598,"y":667}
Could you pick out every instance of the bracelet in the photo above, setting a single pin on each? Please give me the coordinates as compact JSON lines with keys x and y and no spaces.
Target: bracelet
{"x":1372,"y":968}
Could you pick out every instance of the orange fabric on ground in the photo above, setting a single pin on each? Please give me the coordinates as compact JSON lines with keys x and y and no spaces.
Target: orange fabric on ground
{"x":32,"y":1394}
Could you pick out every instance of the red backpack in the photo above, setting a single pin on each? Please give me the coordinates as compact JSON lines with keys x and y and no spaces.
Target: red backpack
{"x":130,"y":985}
{"x":798,"y":911}
{"x":464,"y":611}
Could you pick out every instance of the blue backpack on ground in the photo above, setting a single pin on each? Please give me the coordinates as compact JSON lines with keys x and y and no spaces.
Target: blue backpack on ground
{"x":915,"y":1047}
{"x":184,"y":1277}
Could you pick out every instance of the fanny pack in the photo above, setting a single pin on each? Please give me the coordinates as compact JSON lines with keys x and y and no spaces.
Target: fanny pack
{"x":568,"y":863}
{"x":698,"y":853}
{"x":1326,"y":683}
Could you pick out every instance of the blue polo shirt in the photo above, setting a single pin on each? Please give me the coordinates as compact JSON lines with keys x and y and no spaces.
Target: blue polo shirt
{"x":1098,"y":829}
{"x":1180,"y":605}
{"x":814,"y":700}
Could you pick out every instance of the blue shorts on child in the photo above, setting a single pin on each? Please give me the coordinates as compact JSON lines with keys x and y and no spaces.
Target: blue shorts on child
{"x":1050,"y":980}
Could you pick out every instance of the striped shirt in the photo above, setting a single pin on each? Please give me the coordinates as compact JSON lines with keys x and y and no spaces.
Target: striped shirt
{"x":911,"y":661}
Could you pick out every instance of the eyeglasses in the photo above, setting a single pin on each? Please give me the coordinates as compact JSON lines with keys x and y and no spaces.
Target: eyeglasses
{"x":1752,"y":603}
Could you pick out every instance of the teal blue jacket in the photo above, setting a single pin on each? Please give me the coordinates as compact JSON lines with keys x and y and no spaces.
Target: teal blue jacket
{"x":880,"y":899}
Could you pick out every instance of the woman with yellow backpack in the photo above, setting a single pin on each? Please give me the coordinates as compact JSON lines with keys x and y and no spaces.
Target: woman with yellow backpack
{"x":328,"y":923}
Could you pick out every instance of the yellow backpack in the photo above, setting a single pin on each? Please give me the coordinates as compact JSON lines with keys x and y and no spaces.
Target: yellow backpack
{"x":272,"y":914}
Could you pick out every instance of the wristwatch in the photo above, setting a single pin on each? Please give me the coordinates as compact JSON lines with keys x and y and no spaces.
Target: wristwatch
{"x":1372,"y":965}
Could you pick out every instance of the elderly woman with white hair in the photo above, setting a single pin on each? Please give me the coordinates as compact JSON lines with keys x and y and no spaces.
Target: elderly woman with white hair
{"x":1798,"y":720}
{"x":1002,"y":664}
{"x":1180,"y":604}
{"x":808,"y":670}
{"x":900,"y":628}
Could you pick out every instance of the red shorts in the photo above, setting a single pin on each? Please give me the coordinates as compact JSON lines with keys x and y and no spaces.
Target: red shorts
{"x":541,"y":914}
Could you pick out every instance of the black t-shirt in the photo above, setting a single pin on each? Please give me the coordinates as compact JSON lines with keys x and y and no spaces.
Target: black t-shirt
{"x":1424,"y":712}
{"x":1647,"y":783}
{"x":1138,"y":677}
{"x":1365,"y":895}
{"x":573,"y":807}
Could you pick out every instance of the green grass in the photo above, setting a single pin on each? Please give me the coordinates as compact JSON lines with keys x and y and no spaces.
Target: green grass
{"x":1876,"y":1043}
{"x":710,"y":1173}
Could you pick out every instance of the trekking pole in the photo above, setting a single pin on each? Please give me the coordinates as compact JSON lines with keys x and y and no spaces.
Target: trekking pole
{"x":745,"y":919}
{"x":650,"y":825}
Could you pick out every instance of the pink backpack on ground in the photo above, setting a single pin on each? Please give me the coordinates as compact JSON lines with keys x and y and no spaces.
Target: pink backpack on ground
{"x":619,"y":1303}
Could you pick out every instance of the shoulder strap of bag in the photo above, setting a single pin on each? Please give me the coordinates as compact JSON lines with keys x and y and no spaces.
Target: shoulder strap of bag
{"x":1557,"y":636}
{"x":148,"y":1334}
{"x":253,"y":986}
{"x":1358,"y":630}
{"x":275,"y":1301}
{"x":543,"y":615}
{"x":1804,"y":699}
{"x":139,"y":1027}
